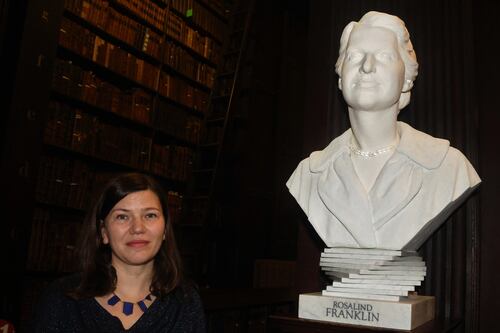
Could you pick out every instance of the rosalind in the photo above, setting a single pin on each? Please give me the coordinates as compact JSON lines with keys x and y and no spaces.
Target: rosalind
{"x":352,"y":306}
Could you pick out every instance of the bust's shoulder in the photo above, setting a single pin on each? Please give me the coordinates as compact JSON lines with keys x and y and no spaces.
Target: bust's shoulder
{"x":455,"y":155}
{"x":320,"y":159}
{"x":456,"y":160}
{"x":424,"y":149}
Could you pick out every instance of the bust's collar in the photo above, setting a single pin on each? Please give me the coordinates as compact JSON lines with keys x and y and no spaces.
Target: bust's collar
{"x":420,"y":147}
{"x":319,"y":160}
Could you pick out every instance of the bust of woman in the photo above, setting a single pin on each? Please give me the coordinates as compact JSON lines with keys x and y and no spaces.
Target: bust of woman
{"x":381,"y":184}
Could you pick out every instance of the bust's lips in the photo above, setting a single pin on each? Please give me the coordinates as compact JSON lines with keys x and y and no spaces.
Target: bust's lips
{"x":366,"y":84}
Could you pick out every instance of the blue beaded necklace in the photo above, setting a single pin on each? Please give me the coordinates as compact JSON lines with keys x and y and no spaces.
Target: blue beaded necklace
{"x":128,"y":307}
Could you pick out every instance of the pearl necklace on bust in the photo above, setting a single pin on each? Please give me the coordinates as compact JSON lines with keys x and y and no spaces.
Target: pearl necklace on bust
{"x":369,"y":154}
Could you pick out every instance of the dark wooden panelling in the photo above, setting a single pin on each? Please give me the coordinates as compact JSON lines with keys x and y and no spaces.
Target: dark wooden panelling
{"x":487,"y":35}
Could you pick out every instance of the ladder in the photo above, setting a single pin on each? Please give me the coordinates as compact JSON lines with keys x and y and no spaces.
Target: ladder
{"x":202,"y":203}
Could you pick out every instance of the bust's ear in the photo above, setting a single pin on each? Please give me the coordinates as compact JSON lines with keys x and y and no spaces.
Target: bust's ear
{"x":404,"y":100}
{"x":340,"y":83}
{"x":407,"y":85}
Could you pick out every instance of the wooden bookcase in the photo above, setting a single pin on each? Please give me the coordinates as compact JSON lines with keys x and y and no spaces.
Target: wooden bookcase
{"x":103,"y":87}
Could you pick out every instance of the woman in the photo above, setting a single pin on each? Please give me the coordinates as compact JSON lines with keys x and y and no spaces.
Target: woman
{"x":131,"y":276}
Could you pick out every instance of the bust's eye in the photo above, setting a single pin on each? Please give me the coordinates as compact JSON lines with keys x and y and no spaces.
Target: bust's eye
{"x":386,"y":56}
{"x":354,"y":56}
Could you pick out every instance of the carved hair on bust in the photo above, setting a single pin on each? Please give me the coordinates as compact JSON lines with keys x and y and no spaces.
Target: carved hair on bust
{"x":405,"y":47}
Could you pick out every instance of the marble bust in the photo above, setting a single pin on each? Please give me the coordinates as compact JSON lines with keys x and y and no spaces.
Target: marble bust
{"x":382,"y":183}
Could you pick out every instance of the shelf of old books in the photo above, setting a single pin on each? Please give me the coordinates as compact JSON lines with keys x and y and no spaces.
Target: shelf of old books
{"x":120,"y":30}
{"x":145,"y":44}
{"x":132,"y":108}
{"x":180,"y":73}
{"x":125,"y":80}
{"x":216,"y":7}
{"x":130,"y":88}
{"x":199,"y":18}
{"x":131,"y":112}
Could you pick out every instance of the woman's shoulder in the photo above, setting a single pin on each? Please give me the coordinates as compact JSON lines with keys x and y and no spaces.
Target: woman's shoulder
{"x":55,"y":308}
{"x":56,"y":293}
{"x":191,"y":313}
{"x":63,"y":285}
{"x":187,"y":292}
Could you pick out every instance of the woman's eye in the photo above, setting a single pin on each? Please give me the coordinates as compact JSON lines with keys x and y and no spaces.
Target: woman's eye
{"x":121,"y":217}
{"x":151,"y":216}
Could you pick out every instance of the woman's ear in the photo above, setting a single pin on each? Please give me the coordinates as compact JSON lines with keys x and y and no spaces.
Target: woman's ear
{"x":104,"y":233}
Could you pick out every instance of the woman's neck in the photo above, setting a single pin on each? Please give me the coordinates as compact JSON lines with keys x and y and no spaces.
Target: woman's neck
{"x":374,"y":130}
{"x":133,"y":283}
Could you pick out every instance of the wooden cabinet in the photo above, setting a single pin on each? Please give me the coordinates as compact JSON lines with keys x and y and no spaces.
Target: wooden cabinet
{"x":289,"y":324}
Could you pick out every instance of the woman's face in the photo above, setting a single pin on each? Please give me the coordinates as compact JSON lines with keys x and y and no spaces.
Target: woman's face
{"x":135,"y":229}
{"x":372,"y":71}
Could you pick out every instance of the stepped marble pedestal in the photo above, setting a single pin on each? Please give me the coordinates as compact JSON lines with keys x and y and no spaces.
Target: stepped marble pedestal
{"x":406,"y":314}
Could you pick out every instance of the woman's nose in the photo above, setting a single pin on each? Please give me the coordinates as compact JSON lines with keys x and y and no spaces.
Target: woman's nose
{"x":368,"y":65}
{"x":137,"y":225}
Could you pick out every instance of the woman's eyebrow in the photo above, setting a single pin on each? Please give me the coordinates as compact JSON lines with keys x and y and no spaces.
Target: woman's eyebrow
{"x":129,"y":210}
{"x":122,"y":209}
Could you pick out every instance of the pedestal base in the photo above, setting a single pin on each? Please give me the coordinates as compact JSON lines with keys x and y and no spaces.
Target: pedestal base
{"x":406,"y":315}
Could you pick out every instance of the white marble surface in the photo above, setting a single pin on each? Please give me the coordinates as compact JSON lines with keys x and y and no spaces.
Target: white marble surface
{"x":404,"y":183}
{"x":374,"y":277}
{"x":373,"y":291}
{"x":368,"y":272}
{"x":373,"y":266}
{"x":349,"y":250}
{"x":364,"y":266}
{"x":380,"y":281}
{"x":362,"y":296}
{"x":359,"y":256}
{"x":369,"y":286}
{"x":407,"y":314}
{"x":351,"y":261}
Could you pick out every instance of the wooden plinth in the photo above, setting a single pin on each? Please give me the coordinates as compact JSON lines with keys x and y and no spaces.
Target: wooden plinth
{"x":292,"y":324}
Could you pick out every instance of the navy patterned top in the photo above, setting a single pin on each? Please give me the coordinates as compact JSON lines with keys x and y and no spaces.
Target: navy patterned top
{"x":180,"y":311}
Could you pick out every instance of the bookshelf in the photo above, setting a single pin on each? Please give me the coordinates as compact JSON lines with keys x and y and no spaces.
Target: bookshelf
{"x":205,"y":203}
{"x":126,"y":86}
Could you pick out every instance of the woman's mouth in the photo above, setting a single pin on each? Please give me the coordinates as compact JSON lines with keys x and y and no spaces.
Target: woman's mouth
{"x":137,"y":243}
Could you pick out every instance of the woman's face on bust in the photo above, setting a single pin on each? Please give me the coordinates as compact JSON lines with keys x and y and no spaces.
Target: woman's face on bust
{"x":372,"y":71}
{"x":134,"y":229}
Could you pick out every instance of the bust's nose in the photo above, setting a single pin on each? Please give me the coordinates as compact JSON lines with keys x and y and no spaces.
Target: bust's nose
{"x":368,"y":65}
